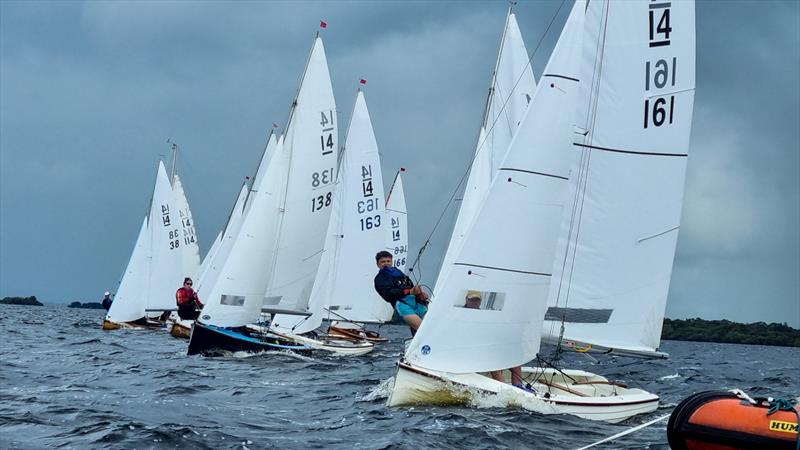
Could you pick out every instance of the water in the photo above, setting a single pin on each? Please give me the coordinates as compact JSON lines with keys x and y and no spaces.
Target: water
{"x":66,"y":383}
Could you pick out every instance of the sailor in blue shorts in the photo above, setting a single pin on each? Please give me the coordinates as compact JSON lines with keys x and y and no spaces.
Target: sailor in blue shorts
{"x":395,"y":287}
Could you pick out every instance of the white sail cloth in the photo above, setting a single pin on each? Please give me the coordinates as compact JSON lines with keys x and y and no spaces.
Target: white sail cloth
{"x":190,"y":251}
{"x":129,"y":301}
{"x":235,"y":297}
{"x":312,"y":145}
{"x":618,"y":237}
{"x":512,"y":87}
{"x":488,"y":313}
{"x":398,"y":225}
{"x":166,"y":257}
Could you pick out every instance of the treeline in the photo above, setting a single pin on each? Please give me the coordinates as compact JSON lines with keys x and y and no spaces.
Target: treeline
{"x":29,"y":301}
{"x":725,"y":331}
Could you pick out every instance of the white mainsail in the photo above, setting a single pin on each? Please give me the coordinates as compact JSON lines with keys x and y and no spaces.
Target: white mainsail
{"x":311,"y":143}
{"x":216,"y":261}
{"x":218,"y":253}
{"x":512,"y":86}
{"x":166,"y":274}
{"x":235,"y":295}
{"x":507,"y":253}
{"x":129,"y":301}
{"x":190,"y":251}
{"x":397,"y":240}
{"x":357,"y":231}
{"x":617,"y":243}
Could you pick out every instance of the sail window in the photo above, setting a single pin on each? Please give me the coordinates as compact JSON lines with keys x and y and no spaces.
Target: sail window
{"x":231,"y":300}
{"x":578,"y":315}
{"x":485,"y":300}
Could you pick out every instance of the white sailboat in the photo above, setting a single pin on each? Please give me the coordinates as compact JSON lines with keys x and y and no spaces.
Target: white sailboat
{"x":511,"y":90}
{"x":510,"y":272}
{"x":276,"y":255}
{"x":343,"y":286}
{"x":127,"y":310}
{"x":155,"y":266}
{"x":397,"y":241}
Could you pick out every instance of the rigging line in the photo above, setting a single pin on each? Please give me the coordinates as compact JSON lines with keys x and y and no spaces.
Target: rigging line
{"x":626,"y":432}
{"x":480,"y":145}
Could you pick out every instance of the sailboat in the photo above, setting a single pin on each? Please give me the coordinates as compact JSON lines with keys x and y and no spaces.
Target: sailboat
{"x":155,"y":267}
{"x":634,"y":105}
{"x":276,"y":254}
{"x":218,"y":254}
{"x":343,"y":286}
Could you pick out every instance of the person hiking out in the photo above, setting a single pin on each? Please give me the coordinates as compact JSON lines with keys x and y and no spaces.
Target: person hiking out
{"x":189,"y":304}
{"x":409,"y":300}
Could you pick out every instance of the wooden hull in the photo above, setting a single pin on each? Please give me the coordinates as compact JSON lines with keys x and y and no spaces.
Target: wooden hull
{"x":209,"y":340}
{"x":720,"y":420}
{"x":579,"y":393}
{"x":139,"y":324}
{"x":341,"y":347}
{"x":181,"y":329}
{"x":357,"y":334}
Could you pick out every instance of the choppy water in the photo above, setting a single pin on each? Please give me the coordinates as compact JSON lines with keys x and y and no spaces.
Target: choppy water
{"x":66,"y":383}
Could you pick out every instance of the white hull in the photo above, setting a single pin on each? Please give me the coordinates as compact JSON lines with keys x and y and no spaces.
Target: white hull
{"x":341,"y":347}
{"x":575,"y":392}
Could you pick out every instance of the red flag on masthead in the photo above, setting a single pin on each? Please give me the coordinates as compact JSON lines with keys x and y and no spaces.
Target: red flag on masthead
{"x":275,"y":125}
{"x":402,"y":169}
{"x":363,"y":81}
{"x":323,"y":24}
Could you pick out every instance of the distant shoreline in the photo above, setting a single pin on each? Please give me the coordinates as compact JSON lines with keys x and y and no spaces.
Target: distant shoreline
{"x":22,"y":301}
{"x":727,"y":332}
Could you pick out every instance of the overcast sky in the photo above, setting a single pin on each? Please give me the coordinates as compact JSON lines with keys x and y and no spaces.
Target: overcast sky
{"x":91,"y":91}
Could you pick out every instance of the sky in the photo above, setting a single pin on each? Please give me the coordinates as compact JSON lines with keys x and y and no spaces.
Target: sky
{"x":91,"y":91}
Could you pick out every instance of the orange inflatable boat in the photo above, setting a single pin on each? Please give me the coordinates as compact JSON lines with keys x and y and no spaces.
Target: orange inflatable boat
{"x":725,"y":420}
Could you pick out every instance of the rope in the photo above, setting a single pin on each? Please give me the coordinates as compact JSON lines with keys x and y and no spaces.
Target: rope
{"x":781,"y":404}
{"x":626,"y":432}
{"x":480,"y":145}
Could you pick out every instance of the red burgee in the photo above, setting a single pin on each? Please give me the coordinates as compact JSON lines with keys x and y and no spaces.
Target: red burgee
{"x":247,"y":177}
{"x":275,"y":125}
{"x":402,"y":169}
{"x":323,"y":24}
{"x":362,"y":81}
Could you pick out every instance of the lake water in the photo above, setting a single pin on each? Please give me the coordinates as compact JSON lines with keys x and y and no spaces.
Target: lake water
{"x":66,"y":383}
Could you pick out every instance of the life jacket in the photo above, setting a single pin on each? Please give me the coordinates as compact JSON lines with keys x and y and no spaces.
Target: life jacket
{"x":185,"y":297}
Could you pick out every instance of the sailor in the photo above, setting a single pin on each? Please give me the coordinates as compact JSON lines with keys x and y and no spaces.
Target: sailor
{"x":189,"y":304}
{"x":409,"y":300}
{"x":107,"y":300}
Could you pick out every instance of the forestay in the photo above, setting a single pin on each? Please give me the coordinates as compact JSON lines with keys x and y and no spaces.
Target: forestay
{"x":129,"y":301}
{"x":512,"y":86}
{"x":488,"y":313}
{"x":190,"y":251}
{"x":398,"y":224}
{"x":236,"y":296}
{"x":356,"y":232}
{"x":165,"y":246}
{"x":312,"y":145}
{"x":618,"y":237}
